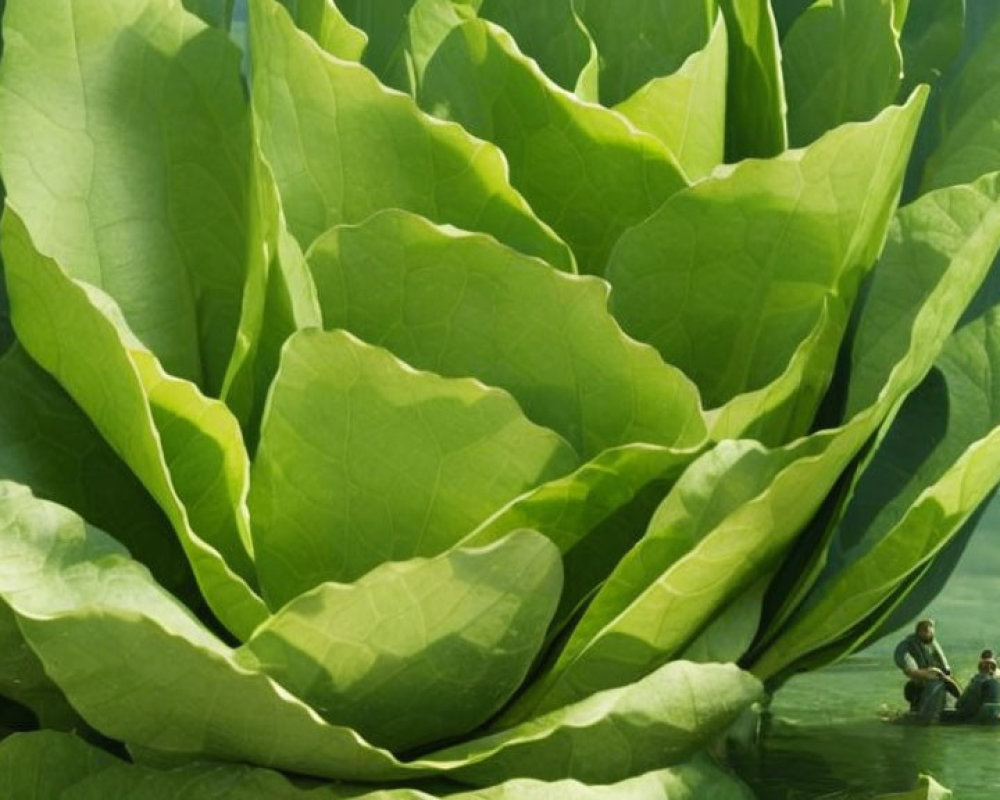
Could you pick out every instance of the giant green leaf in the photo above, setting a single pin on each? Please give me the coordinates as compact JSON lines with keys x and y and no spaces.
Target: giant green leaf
{"x":970,"y":119}
{"x":931,"y":39}
{"x":124,"y":144}
{"x":385,"y":23}
{"x":583,"y":168}
{"x":429,"y":23}
{"x":728,"y":277}
{"x":786,"y":12}
{"x":734,"y":513}
{"x":590,"y":514}
{"x":42,"y":765}
{"x":342,"y":146}
{"x":933,"y":466}
{"x":729,"y":636}
{"x":712,"y":536}
{"x":204,"y":782}
{"x":784,"y":409}
{"x":730,"y":518}
{"x":184,"y":448}
{"x":700,"y":777}
{"x":947,"y":235}
{"x":659,"y":720}
{"x":240,"y":389}
{"x":978,"y":73}
{"x":279,"y":298}
{"x":287,"y":303}
{"x":82,"y":603}
{"x":938,"y":251}
{"x":322,"y":20}
{"x":638,"y":40}
{"x":463,"y":305}
{"x":215,"y":12}
{"x":551,"y":32}
{"x":53,"y":766}
{"x":918,"y":592}
{"x":449,"y":302}
{"x":48,"y":443}
{"x":687,"y":109}
{"x":948,"y":97}
{"x":23,"y":679}
{"x":397,"y":463}
{"x":30,"y":402}
{"x":841,"y":63}
{"x":417,"y":651}
{"x":901,"y":606}
{"x":90,"y":612}
{"x":755,"y":93}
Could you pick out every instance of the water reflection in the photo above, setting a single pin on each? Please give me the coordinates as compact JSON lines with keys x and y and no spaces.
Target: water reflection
{"x":864,"y":758}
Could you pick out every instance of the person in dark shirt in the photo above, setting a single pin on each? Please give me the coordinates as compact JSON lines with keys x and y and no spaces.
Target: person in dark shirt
{"x":980,"y":702}
{"x":922,"y":660}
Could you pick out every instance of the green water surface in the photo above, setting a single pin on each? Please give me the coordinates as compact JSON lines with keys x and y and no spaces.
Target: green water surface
{"x":829,"y":735}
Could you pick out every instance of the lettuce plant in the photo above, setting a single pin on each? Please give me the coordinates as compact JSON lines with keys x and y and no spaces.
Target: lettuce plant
{"x":476,"y":398}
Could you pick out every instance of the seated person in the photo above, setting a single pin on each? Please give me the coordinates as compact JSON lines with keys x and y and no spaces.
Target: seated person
{"x":923,"y":662}
{"x":980,"y":702}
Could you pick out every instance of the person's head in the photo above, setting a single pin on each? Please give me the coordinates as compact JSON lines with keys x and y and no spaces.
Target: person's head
{"x":987,"y":653}
{"x":987,"y":666}
{"x":925,"y":631}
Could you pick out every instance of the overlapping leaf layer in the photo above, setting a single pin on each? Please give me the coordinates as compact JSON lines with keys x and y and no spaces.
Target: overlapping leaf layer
{"x":325,"y":473}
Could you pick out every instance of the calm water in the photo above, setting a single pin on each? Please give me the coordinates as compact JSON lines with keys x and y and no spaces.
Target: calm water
{"x":828,"y":737}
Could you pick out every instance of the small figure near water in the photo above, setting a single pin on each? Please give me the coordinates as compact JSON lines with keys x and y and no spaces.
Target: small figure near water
{"x":980,"y":702}
{"x":922,"y":660}
{"x":929,"y":683}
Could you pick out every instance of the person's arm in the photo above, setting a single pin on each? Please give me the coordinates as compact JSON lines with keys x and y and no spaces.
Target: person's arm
{"x":927,"y":674}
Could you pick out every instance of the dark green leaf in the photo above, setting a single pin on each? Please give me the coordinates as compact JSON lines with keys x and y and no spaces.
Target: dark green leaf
{"x":841,"y":63}
{"x":755,"y":94}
